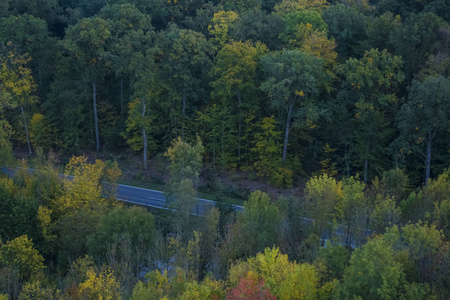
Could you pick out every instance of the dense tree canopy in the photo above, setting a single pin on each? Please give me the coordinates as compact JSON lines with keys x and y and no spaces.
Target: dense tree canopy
{"x":340,"y":106}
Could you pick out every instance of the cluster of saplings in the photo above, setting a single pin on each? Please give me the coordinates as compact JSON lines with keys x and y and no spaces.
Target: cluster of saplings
{"x":275,"y":87}
{"x":68,"y":238}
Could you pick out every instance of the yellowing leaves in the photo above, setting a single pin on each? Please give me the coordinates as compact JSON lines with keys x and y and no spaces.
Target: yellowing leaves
{"x":220,"y":26}
{"x":84,"y":189}
{"x":300,"y":93}
{"x":101,"y":285}
{"x":16,"y":80}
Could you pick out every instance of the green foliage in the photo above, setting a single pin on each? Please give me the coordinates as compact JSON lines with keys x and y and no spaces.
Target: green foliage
{"x":335,"y":258}
{"x":290,"y":6}
{"x":185,"y":66}
{"x":5,"y":144}
{"x":282,"y":178}
{"x":41,"y":132}
{"x":352,"y":210}
{"x":348,"y":27}
{"x":235,"y":70}
{"x":396,"y":183}
{"x":424,"y":119}
{"x":126,"y":231}
{"x":373,"y":272}
{"x":185,"y":161}
{"x":292,"y":81}
{"x":371,"y":81}
{"x":267,"y":147}
{"x":260,"y":223}
{"x":385,"y":214}
{"x":379,"y":31}
{"x":29,"y":35}
{"x":36,"y":290}
{"x":159,"y":70}
{"x":258,"y":25}
{"x":296,"y":20}
{"x":220,"y":133}
{"x":87,"y":43}
{"x":321,"y":197}
{"x":239,"y":6}
{"x":414,"y":39}
{"x":19,"y":254}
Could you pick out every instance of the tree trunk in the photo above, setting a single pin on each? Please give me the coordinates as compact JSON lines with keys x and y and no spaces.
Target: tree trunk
{"x":184,"y":104}
{"x":121,"y":95}
{"x":184,"y":114}
{"x":40,"y":80}
{"x":97,"y":136}
{"x":26,"y":129}
{"x":240,"y":126}
{"x":366,"y":164}
{"x":222,"y":155}
{"x":286,"y":133}
{"x":428,"y":157}
{"x":144,"y":136}
{"x":347,"y":163}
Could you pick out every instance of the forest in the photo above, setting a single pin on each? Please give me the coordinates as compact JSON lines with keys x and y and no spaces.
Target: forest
{"x":347,"y":101}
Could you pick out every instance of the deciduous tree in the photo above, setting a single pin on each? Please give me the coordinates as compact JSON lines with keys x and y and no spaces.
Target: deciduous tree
{"x":293,"y":79}
{"x":87,"y":42}
{"x":371,"y":82}
{"x":17,"y":85}
{"x":425,"y":119}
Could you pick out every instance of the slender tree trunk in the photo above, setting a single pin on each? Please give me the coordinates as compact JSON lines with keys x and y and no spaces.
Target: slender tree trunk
{"x":214,"y":153}
{"x":184,"y":104}
{"x":144,"y":136}
{"x":222,"y":158}
{"x":286,"y":133}
{"x":97,"y":136}
{"x":366,"y":163}
{"x":40,"y":76}
{"x":347,"y":163}
{"x":26,"y":129}
{"x":184,"y":115}
{"x":240,"y":126}
{"x":428,"y":157}
{"x":121,"y":95}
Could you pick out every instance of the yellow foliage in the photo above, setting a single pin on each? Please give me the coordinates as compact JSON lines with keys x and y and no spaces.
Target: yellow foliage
{"x":301,"y":93}
{"x":44,"y":218}
{"x":288,"y":6}
{"x":282,"y":178}
{"x":327,"y":166}
{"x":286,"y":279}
{"x":41,"y":133}
{"x":84,"y":188}
{"x":221,"y":21}
{"x":16,"y":82}
{"x":100,"y":285}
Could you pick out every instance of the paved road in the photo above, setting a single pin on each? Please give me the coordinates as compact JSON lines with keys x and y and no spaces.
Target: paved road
{"x":151,"y":198}
{"x":157,"y":199}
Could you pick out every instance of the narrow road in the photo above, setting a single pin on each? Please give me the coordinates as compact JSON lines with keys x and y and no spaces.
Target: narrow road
{"x":151,"y":198}
{"x":157,"y":199}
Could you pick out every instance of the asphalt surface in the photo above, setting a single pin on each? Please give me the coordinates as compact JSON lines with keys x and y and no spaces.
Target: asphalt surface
{"x":157,"y":199}
{"x":151,"y":198}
